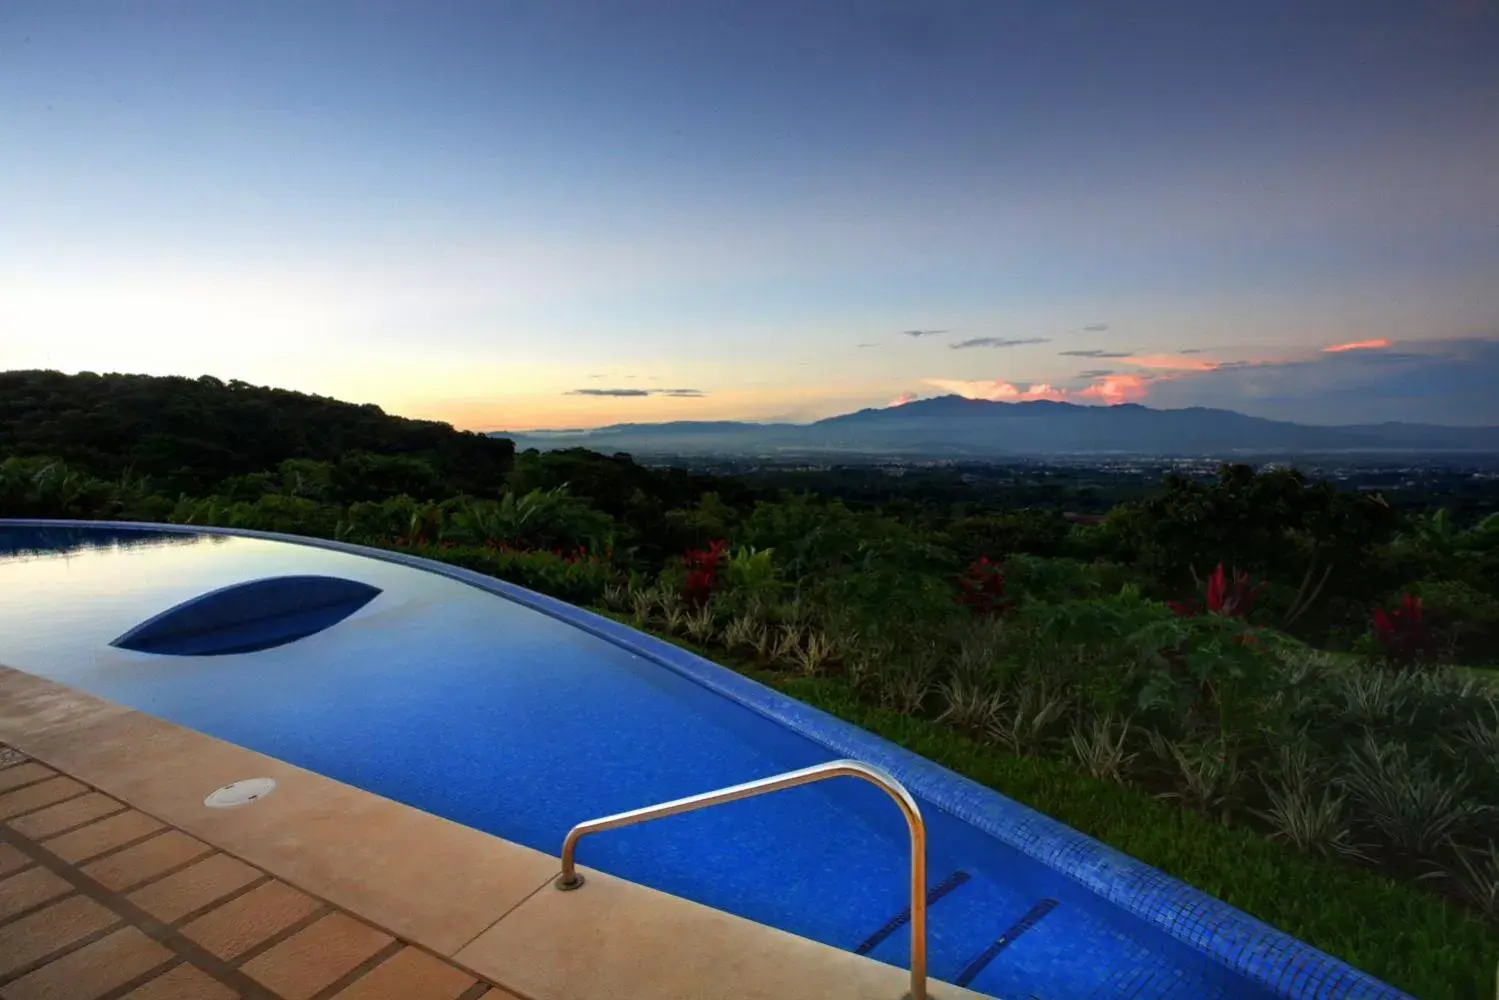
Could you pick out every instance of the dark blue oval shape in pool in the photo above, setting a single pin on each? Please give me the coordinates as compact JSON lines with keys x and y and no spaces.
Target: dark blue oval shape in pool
{"x":245,"y":617}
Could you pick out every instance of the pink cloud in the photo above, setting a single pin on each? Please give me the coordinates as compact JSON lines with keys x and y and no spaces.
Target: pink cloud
{"x":997,"y":391}
{"x":1108,"y":389}
{"x":1103,"y":389}
{"x":1117,"y":389}
{"x":1357,"y":345}
{"x":1154,"y":371}
{"x":902,"y":399}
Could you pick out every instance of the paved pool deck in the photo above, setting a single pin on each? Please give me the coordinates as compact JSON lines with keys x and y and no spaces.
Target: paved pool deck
{"x":116,"y":881}
{"x":98,"y":900}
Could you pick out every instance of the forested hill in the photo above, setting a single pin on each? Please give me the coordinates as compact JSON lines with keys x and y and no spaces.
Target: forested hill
{"x":190,"y":434}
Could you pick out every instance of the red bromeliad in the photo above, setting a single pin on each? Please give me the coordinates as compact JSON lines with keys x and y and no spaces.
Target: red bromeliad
{"x":1231,"y":596}
{"x":702,"y":567}
{"x":983,"y":587}
{"x":1408,"y":614}
{"x":1403,"y":632}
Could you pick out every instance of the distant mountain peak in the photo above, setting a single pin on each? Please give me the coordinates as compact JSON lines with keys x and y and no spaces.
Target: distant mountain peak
{"x":953,"y":426}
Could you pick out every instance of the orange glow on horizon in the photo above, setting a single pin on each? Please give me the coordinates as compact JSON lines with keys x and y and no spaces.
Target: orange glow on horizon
{"x":520,"y":412}
{"x":1357,"y":345}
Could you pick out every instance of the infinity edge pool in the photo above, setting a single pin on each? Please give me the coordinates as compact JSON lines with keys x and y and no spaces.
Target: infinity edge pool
{"x":1248,"y":947}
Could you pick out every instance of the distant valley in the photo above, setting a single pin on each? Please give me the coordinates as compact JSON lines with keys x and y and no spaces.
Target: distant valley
{"x":955,"y":427}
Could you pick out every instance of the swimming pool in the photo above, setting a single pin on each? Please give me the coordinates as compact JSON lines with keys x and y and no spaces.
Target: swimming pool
{"x":519,"y":715}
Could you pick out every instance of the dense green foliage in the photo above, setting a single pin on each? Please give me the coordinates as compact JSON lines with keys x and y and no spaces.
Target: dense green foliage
{"x":192,"y":434}
{"x":1246,"y":680}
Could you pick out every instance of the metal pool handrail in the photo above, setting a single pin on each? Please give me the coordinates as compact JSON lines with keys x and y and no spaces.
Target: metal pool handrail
{"x":570,"y":879}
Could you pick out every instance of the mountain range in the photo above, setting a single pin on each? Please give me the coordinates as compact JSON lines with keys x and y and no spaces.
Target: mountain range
{"x":956,"y":427}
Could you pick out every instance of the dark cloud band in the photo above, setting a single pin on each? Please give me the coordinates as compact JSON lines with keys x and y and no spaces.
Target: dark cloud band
{"x":997,"y":342}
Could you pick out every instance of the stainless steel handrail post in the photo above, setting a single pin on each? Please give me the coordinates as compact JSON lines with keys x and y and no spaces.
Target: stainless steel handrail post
{"x":570,"y":879}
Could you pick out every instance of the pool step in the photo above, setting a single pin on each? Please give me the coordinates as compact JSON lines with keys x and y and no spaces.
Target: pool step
{"x":902,"y":918}
{"x":1000,"y":939}
{"x":1032,"y":917}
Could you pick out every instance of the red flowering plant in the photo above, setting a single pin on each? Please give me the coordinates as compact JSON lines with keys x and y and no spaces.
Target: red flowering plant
{"x":1229,"y":594}
{"x":982,"y":587}
{"x":703,"y":567}
{"x":1403,"y":633}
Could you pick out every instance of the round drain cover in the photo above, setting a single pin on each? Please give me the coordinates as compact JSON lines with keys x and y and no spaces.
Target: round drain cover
{"x":239,"y":793}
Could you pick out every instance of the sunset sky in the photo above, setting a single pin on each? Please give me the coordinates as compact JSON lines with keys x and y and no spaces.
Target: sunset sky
{"x":515,"y":214}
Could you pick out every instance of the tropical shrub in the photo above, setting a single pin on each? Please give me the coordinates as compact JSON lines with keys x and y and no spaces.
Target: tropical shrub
{"x":41,"y":487}
{"x":1403,"y":635}
{"x":1035,"y":532}
{"x":1464,"y":620}
{"x":982,"y":587}
{"x":579,"y":576}
{"x":750,"y":579}
{"x":1231,"y":594}
{"x":702,"y":568}
{"x":539,"y":519}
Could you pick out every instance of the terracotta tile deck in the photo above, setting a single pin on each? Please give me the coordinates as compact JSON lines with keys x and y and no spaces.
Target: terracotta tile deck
{"x":102,"y":902}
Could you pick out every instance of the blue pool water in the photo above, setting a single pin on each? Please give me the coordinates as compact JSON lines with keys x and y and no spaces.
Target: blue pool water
{"x":483,"y":710}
